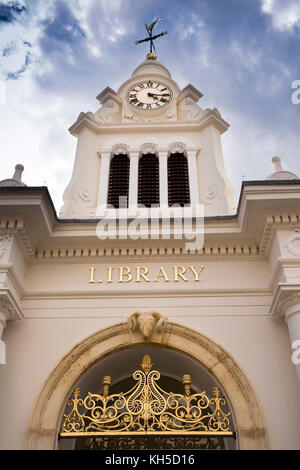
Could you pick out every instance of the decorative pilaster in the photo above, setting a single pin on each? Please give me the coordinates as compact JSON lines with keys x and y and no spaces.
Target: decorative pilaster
{"x":103,"y":181}
{"x":193,"y":177}
{"x":133,"y":178}
{"x":7,"y":312}
{"x":163,"y":179}
{"x":287,"y":304}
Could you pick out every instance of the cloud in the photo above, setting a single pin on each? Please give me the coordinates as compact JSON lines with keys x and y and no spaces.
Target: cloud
{"x":16,"y":75}
{"x":285,"y":13}
{"x":9,"y":11}
{"x":15,"y":59}
{"x":61,"y":28}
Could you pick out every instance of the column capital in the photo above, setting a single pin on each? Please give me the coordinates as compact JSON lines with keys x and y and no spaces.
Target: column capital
{"x":105,"y":153}
{"x":8,"y":308}
{"x":192,"y":153}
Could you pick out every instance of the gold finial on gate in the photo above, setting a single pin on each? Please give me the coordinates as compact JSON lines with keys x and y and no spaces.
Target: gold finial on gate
{"x":187,"y":381}
{"x":106,"y":382}
{"x":147,"y":364}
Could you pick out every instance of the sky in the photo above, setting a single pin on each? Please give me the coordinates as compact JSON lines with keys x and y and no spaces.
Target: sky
{"x":56,"y":56}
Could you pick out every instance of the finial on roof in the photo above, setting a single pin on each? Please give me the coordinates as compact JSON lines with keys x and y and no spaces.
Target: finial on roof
{"x":16,"y":180}
{"x":277,"y":163}
{"x":280,"y":173}
{"x":18,"y":172}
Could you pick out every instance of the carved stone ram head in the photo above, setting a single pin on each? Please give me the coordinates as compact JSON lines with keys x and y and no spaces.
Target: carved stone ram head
{"x":146,"y":323}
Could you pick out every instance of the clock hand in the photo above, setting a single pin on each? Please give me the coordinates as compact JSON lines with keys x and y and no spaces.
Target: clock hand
{"x":157,"y":94}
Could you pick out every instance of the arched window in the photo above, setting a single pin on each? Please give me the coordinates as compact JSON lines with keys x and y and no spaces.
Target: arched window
{"x":148,"y":186}
{"x":178,"y":180}
{"x":118,"y":180}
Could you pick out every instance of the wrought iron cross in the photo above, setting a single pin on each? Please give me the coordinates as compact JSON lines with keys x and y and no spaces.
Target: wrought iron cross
{"x":152,"y":38}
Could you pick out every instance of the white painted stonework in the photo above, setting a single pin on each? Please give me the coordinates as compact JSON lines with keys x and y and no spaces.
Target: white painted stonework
{"x":117,"y":123}
{"x":73,"y":306}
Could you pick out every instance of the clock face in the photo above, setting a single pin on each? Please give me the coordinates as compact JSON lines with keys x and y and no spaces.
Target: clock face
{"x":149,"y":94}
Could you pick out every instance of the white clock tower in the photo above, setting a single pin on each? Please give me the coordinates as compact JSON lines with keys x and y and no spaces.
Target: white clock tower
{"x":151,"y":143}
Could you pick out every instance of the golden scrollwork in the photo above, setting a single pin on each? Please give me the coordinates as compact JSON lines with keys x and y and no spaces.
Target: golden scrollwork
{"x":146,"y":409}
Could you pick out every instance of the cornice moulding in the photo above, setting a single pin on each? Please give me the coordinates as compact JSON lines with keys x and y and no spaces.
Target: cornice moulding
{"x":107,"y":94}
{"x":190,"y":92}
{"x":162,"y":126}
{"x":68,"y":254}
{"x":85,"y":120}
{"x":253,"y":224}
{"x":153,"y":293}
{"x":16,"y":226}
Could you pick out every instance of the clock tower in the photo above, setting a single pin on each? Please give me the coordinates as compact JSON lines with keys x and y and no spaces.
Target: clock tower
{"x":151,"y":143}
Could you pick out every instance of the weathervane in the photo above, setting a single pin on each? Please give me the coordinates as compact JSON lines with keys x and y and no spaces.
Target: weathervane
{"x":151,"y":38}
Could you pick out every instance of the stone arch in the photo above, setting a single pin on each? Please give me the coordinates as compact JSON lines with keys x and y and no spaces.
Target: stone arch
{"x":45,"y":419}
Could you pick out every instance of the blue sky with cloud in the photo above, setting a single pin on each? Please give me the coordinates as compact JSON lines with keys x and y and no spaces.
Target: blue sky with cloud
{"x":57,"y":55}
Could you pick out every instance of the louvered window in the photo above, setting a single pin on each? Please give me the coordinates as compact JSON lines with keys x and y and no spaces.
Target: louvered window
{"x":178,"y":180}
{"x":148,"y":186}
{"x":118,"y":180}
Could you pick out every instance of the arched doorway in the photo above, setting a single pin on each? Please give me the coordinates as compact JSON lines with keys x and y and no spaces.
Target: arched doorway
{"x":205,"y":359}
{"x":173,"y":375}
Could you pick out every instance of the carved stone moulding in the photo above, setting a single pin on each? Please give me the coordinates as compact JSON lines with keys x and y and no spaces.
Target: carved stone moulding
{"x":285,"y":297}
{"x":290,"y":244}
{"x":120,"y":149}
{"x":148,"y":148}
{"x":3,"y":237}
{"x":10,"y":227}
{"x":279,"y":220}
{"x":147,"y":323}
{"x":9,"y":308}
{"x":177,"y":147}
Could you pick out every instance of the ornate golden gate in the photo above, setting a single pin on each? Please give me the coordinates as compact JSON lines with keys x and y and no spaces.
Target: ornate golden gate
{"x":149,"y":412}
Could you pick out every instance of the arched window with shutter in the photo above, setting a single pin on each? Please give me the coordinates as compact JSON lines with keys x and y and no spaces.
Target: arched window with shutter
{"x":118,"y":180}
{"x":178,"y":180}
{"x":148,"y":186}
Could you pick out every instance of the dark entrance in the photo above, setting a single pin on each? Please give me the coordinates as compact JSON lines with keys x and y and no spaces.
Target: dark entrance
{"x":151,"y":443}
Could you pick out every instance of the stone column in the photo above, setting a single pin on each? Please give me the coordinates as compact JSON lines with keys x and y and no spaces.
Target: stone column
{"x":292,"y":317}
{"x":163,"y":179}
{"x":288,"y":306}
{"x":103,"y":182}
{"x":133,"y":178}
{"x":193,"y":177}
